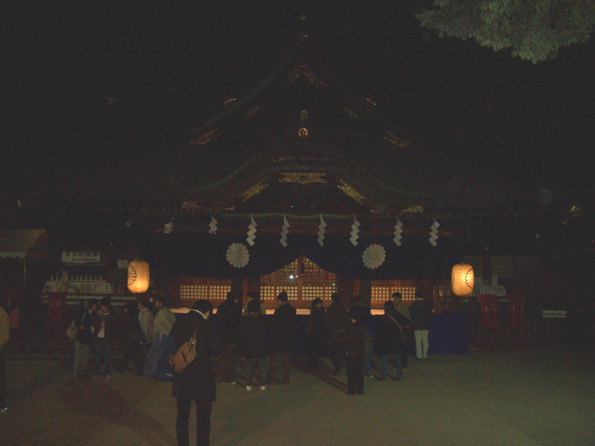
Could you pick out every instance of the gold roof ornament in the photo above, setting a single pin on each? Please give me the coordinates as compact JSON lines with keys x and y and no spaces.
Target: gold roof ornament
{"x":351,"y":192}
{"x":415,"y":209}
{"x":393,"y":139}
{"x":207,"y":137}
{"x":302,"y":178}
{"x":253,"y":191}
{"x":303,"y":132}
{"x":190,"y":206}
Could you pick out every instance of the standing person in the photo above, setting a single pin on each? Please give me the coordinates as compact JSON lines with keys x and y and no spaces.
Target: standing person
{"x":256,"y":297}
{"x":356,"y":335}
{"x":404,"y":318}
{"x":337,"y":324}
{"x":253,"y":335}
{"x":4,"y":337}
{"x":147,"y":321}
{"x":358,"y":301}
{"x":84,"y":337}
{"x":389,"y":340}
{"x":229,"y":316}
{"x":104,"y":335}
{"x":197,"y":381}
{"x":315,"y":331}
{"x":281,"y":338}
{"x":132,"y":339}
{"x":164,"y":318}
{"x":421,"y":313}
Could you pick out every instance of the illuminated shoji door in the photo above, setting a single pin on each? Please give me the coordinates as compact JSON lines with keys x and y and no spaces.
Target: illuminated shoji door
{"x":303,"y":281}
{"x":194,"y":288}
{"x":382,"y":290}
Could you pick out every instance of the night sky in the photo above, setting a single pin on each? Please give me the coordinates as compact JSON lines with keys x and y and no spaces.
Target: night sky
{"x":170,"y":66}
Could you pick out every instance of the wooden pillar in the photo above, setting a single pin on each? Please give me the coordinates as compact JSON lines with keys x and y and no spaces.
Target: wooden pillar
{"x":365,"y":291}
{"x":345,"y":288}
{"x":172,"y":290}
{"x":237,"y":285}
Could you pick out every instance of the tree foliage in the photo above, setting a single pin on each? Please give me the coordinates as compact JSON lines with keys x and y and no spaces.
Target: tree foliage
{"x":534,"y":29}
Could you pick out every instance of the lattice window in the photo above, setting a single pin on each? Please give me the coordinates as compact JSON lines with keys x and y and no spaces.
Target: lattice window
{"x":382,"y":290}
{"x":214,"y":290}
{"x":303,"y":281}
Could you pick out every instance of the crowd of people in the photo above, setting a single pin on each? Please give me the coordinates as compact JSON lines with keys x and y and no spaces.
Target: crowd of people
{"x":99,"y":328}
{"x":251,"y":348}
{"x":261,"y":346}
{"x":243,"y":335}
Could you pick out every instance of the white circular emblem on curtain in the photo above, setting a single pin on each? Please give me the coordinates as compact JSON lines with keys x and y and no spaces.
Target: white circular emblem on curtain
{"x":238,"y":255}
{"x":374,"y":256}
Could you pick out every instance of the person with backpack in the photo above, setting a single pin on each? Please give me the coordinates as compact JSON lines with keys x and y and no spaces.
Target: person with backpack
{"x":389,"y":340}
{"x":196,"y":382}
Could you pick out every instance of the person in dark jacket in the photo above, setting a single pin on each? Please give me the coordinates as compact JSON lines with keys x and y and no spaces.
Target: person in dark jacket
{"x":83,"y":320}
{"x":315,"y":331}
{"x":281,"y":338}
{"x":389,"y":340}
{"x":132,"y":339}
{"x":104,"y":335}
{"x":229,"y":316}
{"x":421,"y":313}
{"x":358,"y":301}
{"x":404,"y":319}
{"x":253,"y":335}
{"x":356,"y":344}
{"x":337,"y":324}
{"x":197,"y":381}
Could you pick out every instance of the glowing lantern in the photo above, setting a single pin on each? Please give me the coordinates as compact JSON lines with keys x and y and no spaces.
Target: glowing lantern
{"x":462,"y":279}
{"x":138,"y":276}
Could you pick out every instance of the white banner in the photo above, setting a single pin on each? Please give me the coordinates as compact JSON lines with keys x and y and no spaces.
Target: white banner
{"x":81,"y":256}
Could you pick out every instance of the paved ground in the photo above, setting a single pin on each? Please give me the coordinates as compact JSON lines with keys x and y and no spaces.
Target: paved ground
{"x":532,"y":397}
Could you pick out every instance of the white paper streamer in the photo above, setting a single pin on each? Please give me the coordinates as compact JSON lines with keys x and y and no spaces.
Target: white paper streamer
{"x":354,"y":231}
{"x":213,"y":225}
{"x":284,"y":229}
{"x":321,"y":229}
{"x":398,"y":233}
{"x":434,"y":233}
{"x":251,"y":231}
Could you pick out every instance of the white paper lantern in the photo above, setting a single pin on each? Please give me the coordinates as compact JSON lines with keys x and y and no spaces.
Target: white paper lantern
{"x":138,"y":276}
{"x":462,"y":279}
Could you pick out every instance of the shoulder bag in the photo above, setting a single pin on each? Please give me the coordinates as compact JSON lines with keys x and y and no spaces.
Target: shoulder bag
{"x":184,"y":355}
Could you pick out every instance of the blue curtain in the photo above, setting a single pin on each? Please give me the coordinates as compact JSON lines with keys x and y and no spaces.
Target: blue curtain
{"x":204,"y":255}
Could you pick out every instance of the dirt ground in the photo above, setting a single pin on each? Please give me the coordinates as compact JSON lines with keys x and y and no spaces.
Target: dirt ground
{"x":529,"y":397}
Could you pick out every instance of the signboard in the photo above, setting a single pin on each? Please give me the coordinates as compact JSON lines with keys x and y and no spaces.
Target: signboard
{"x":81,"y":256}
{"x":561,"y":314}
{"x":123,"y":263}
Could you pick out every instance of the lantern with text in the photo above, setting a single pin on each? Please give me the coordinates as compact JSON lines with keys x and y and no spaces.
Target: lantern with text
{"x":138,"y":276}
{"x":462,"y":279}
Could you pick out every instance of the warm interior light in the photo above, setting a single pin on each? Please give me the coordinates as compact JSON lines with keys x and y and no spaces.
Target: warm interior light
{"x":138,"y":276}
{"x":462,"y":279}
